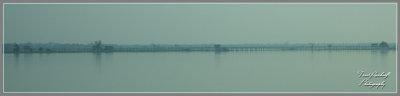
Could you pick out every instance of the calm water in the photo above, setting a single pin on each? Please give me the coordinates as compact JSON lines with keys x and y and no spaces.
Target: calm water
{"x":244,"y":71}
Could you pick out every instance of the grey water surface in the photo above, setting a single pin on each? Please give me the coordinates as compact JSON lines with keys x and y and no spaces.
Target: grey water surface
{"x":233,"y":71}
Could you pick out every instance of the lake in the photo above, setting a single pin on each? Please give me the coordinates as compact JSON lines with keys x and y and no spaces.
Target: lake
{"x":232,"y":71}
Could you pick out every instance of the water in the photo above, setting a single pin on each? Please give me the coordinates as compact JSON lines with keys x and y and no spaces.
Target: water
{"x":240,"y":71}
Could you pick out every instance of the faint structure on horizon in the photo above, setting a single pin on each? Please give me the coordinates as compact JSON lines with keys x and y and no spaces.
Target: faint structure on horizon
{"x":374,"y":45}
{"x":108,"y":48}
{"x":329,"y":46}
{"x":48,"y":50}
{"x":218,"y":47}
{"x":97,"y":46}
{"x":28,"y":49}
{"x":383,"y":45}
{"x":16,"y":47}
{"x":40,"y":49}
{"x":312,"y":46}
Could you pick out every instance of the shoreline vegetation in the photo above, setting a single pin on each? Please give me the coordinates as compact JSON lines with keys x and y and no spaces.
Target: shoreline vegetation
{"x":97,"y":46}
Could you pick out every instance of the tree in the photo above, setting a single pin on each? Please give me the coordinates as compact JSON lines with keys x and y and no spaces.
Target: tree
{"x":383,"y":45}
{"x":97,"y":46}
{"x":16,"y":47}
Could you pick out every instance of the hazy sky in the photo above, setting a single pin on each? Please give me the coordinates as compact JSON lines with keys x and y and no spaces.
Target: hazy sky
{"x":200,"y":24}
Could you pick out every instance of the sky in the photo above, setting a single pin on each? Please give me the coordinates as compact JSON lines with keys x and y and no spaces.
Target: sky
{"x":199,"y":23}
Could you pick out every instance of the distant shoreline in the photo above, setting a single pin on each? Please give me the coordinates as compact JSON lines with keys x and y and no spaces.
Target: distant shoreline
{"x":98,"y":46}
{"x":205,"y":49}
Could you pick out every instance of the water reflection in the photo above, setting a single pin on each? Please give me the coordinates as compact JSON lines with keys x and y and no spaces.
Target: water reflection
{"x":217,"y":59}
{"x":383,"y":58}
{"x":97,"y":58}
{"x":16,"y":60}
{"x":28,"y":57}
{"x":101,"y":58}
{"x":379,"y":58}
{"x":109,"y":57}
{"x":312,"y":58}
{"x":230,"y":68}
